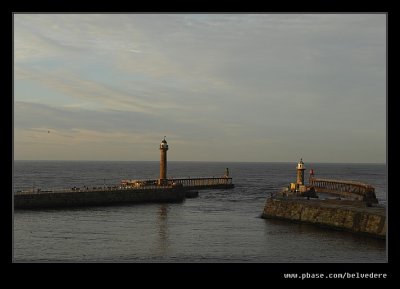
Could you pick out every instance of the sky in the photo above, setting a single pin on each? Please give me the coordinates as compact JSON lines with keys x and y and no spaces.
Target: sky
{"x":220,"y":87}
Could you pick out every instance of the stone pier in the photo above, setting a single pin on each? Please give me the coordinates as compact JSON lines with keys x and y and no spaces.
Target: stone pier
{"x":348,"y":215}
{"x":59,"y":199}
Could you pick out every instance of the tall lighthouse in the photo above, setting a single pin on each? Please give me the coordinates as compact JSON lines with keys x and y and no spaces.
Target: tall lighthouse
{"x":163,"y":162}
{"x":300,"y":172}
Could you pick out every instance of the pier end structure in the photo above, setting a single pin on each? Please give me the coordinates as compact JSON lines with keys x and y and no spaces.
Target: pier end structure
{"x":340,"y":188}
{"x":343,"y":205}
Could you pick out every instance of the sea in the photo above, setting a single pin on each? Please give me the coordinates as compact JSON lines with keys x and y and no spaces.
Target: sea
{"x":219,"y":226}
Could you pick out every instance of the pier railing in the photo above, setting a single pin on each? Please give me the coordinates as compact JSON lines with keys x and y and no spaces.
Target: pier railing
{"x":352,"y":189}
{"x":187,"y":183}
{"x":91,"y":189}
{"x":205,"y":183}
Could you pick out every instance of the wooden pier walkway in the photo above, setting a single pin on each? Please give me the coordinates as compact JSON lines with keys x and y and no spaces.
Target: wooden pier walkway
{"x":349,"y":189}
{"x":205,"y":183}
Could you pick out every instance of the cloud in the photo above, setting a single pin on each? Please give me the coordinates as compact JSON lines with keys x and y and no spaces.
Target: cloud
{"x":261,"y":81}
{"x":100,"y":94}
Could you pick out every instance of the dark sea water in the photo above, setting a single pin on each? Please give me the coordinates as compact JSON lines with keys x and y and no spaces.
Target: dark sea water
{"x":218,"y":226}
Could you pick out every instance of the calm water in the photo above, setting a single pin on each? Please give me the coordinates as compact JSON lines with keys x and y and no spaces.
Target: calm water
{"x":218,"y":226}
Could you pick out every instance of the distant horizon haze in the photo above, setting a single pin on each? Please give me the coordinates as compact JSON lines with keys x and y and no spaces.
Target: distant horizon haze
{"x":200,"y":161}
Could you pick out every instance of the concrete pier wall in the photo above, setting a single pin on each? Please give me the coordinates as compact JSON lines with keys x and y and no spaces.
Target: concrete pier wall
{"x":351,"y":216}
{"x":94,"y":198}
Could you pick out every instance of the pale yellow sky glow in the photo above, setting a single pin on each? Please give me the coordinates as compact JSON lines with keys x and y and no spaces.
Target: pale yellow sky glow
{"x":221,"y":87}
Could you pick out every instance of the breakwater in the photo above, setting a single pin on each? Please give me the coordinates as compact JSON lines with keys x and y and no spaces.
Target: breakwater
{"x":348,"y":215}
{"x":139,"y":192}
{"x":99,"y":197}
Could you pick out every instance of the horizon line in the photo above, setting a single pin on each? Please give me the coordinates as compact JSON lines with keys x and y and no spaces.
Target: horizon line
{"x":322,"y":162}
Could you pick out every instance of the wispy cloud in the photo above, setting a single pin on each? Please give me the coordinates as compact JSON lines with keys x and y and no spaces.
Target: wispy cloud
{"x":101,"y":95}
{"x":257,"y":81}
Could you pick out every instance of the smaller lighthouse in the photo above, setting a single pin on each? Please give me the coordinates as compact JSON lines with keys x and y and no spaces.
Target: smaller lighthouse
{"x":163,"y":162}
{"x":300,"y":172}
{"x":299,"y":188}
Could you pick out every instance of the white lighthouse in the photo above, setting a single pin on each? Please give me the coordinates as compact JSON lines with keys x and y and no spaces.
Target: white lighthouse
{"x":300,"y":172}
